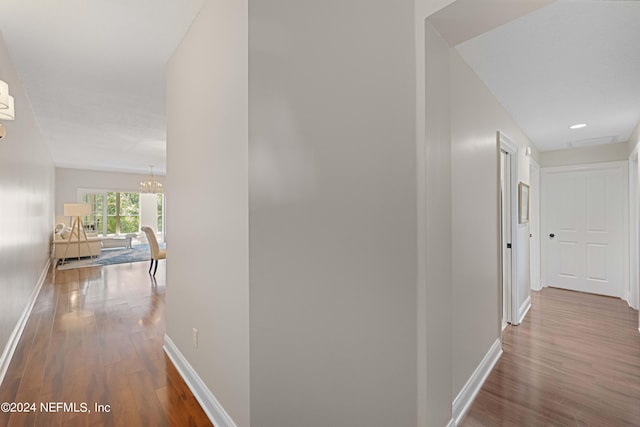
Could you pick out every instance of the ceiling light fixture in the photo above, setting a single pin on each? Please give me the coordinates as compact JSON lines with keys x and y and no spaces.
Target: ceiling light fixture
{"x":578,"y":126}
{"x":7,"y":111}
{"x":4,"y":95}
{"x":151,"y":184}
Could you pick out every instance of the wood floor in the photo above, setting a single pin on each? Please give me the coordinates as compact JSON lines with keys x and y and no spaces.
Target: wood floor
{"x":95,"y":337}
{"x":574,"y":361}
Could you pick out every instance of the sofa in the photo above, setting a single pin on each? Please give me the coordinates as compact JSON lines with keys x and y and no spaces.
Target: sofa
{"x":62,"y":239}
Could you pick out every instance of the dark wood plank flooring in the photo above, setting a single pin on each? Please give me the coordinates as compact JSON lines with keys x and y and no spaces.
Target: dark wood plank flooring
{"x":95,"y":336}
{"x":574,"y":361}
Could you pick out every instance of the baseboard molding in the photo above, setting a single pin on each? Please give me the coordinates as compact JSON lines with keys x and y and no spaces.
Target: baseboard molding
{"x":524,"y":309}
{"x":465,"y":398}
{"x":14,"y":338}
{"x":203,"y":395}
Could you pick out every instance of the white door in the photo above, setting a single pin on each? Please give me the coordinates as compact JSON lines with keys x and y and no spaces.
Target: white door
{"x":583,"y":224}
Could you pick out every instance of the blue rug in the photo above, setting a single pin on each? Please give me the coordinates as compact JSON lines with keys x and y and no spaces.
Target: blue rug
{"x":110,"y":256}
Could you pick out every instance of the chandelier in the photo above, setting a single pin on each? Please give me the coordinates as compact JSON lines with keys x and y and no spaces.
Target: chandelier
{"x":151,"y":184}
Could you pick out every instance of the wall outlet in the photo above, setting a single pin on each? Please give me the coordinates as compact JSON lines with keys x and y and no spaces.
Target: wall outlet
{"x":194,"y":337}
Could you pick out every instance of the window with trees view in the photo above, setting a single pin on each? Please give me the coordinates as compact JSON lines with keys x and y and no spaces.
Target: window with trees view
{"x":123,"y":213}
{"x":160,"y":221}
{"x":116,"y":213}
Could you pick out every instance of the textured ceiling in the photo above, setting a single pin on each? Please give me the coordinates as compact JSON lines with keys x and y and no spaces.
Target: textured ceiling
{"x":94,"y":72}
{"x":566,"y":63}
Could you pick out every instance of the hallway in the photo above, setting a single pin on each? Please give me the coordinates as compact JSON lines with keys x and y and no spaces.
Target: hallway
{"x":574,"y":361}
{"x":95,"y":337}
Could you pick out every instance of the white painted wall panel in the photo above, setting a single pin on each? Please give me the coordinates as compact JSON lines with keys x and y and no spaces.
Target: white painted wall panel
{"x":207,"y":202}
{"x":332,"y":213}
{"x":434,"y":271}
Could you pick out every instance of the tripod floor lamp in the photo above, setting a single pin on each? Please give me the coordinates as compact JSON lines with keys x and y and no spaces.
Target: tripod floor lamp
{"x":77,"y":211}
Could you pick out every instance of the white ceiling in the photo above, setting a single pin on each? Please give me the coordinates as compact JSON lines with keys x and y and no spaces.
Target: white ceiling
{"x":566,"y":63}
{"x":94,"y":72}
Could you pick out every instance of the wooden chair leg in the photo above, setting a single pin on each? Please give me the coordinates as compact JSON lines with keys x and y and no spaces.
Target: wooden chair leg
{"x":155,"y":269}
{"x":151,"y":266}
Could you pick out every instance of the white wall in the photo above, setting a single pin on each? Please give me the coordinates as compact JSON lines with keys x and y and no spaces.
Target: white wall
{"x":332,"y":201}
{"x":433,"y":263}
{"x":434,"y":240}
{"x":207,"y":202}
{"x":332,"y":213}
{"x":475,"y":117}
{"x":26,"y":206}
{"x":334,"y":248}
{"x":585,"y":155}
{"x":149,"y":210}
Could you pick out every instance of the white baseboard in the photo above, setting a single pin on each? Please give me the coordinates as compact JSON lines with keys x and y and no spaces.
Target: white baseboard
{"x":14,"y":338}
{"x":524,"y":309}
{"x":463,"y":401}
{"x":203,"y":395}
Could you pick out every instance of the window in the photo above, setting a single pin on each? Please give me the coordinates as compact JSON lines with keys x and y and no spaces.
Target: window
{"x":160,"y":221}
{"x":94,"y":222}
{"x":116,"y":212}
{"x":123,"y":213}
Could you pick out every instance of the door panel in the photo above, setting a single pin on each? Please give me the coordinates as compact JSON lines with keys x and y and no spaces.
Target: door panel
{"x":583,"y":210}
{"x":597,"y":261}
{"x":567,"y":261}
{"x":596,"y":204}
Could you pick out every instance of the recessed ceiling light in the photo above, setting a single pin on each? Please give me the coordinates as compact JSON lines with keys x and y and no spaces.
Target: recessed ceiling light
{"x":578,"y":126}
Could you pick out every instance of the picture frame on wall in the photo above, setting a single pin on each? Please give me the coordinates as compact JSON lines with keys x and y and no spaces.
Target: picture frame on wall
{"x":523,"y":203}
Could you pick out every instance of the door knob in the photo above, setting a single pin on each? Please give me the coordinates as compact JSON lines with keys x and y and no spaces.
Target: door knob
{"x":552,"y":235}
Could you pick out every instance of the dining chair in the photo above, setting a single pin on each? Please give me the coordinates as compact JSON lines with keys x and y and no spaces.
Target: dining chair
{"x":156,"y":252}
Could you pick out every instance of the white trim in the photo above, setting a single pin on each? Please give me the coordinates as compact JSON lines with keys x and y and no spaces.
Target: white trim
{"x":203,"y":395}
{"x":14,"y":338}
{"x":463,"y":401}
{"x":586,"y":167}
{"x":524,"y":309}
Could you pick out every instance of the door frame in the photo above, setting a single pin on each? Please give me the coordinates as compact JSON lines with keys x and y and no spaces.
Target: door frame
{"x":504,"y":144}
{"x":633,"y":291}
{"x":534,"y":225}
